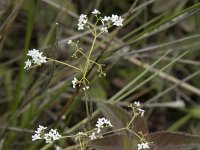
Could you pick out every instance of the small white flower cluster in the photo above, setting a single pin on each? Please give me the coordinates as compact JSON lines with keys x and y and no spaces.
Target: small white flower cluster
{"x":107,"y":21}
{"x":80,"y":135}
{"x":82,"y":21}
{"x":38,"y":133}
{"x":141,"y":111}
{"x":36,"y":59}
{"x":96,"y":12}
{"x":101,"y":123}
{"x":143,"y":146}
{"x":86,"y":88}
{"x":69,"y":42}
{"x":137,"y":103}
{"x":74,"y":82}
{"x":115,"y":19}
{"x":93,"y":136}
{"x":53,"y":135}
{"x":49,"y":137}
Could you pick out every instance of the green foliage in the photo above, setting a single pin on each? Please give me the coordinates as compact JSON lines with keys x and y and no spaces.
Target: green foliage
{"x":153,"y":58}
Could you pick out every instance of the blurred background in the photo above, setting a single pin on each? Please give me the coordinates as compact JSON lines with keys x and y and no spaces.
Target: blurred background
{"x":153,"y":30}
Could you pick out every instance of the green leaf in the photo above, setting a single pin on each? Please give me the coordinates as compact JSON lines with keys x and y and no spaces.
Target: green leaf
{"x":115,"y":142}
{"x":98,"y":91}
{"x":174,"y":141}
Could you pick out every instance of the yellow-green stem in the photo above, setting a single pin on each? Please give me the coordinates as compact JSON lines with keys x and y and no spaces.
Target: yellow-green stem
{"x":65,"y":64}
{"x":89,"y":55}
{"x":131,"y":121}
{"x":87,"y":109}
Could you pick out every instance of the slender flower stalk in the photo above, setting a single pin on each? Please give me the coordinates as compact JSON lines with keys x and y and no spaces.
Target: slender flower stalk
{"x":66,"y":64}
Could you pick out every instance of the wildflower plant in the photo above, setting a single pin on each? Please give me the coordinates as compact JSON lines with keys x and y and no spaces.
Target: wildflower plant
{"x":49,"y":137}
{"x":150,"y":52}
{"x":106,"y":23}
{"x":36,"y":58}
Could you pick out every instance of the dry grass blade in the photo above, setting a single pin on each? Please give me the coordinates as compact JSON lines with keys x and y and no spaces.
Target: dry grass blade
{"x":165,"y":76}
{"x":172,"y":87}
{"x":5,"y":28}
{"x":52,"y":3}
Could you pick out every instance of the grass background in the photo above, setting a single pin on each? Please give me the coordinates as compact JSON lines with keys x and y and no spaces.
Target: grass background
{"x":154,"y":31}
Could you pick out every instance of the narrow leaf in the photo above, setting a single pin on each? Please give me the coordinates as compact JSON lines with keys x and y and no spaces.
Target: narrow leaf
{"x":174,"y":141}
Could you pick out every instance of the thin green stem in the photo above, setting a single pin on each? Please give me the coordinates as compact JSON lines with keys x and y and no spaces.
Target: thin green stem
{"x":87,"y":109}
{"x":80,"y":143}
{"x":89,"y":55}
{"x":131,"y":120}
{"x":81,"y":53}
{"x":116,"y":130}
{"x":129,"y":130}
{"x":90,"y":30}
{"x":65,"y":64}
{"x":68,"y":136}
{"x":94,"y":62}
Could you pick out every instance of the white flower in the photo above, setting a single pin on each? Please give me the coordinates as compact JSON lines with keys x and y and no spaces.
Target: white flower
{"x":82,"y":21}
{"x":69,"y":42}
{"x":106,"y":18}
{"x":87,"y":87}
{"x":143,"y":146}
{"x":138,"y":109}
{"x":93,"y":136}
{"x":27,"y":64}
{"x":146,"y":145}
{"x":140,"y":146}
{"x":40,"y":129}
{"x":95,"y":12}
{"x":98,"y":130}
{"x":36,"y":58}
{"x":82,"y":17}
{"x":141,"y":111}
{"x":36,"y":137}
{"x":38,"y":133}
{"x":102,"y":122}
{"x":49,"y":137}
{"x":80,"y":26}
{"x":117,"y":21}
{"x":74,"y":82}
{"x":137,"y":103}
{"x":53,"y":135}
{"x":104,"y":29}
{"x":81,"y":134}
